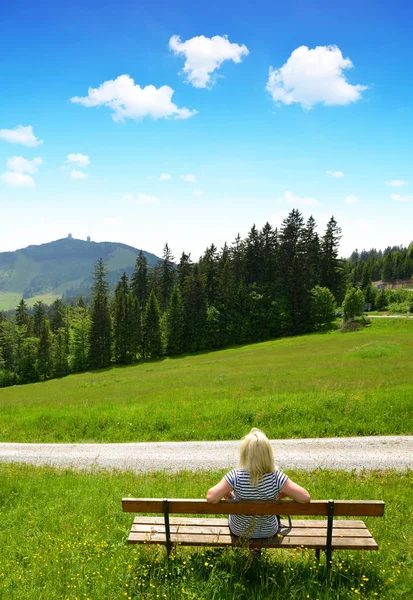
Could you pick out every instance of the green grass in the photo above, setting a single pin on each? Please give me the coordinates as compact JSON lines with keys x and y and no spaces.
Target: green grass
{"x":333,"y":384}
{"x":63,"y":536}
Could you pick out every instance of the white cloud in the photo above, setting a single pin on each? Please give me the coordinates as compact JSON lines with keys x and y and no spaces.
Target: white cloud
{"x":22,"y":165}
{"x":298,"y":200}
{"x":141,"y":199}
{"x":79,"y":160}
{"x":351,"y":199}
{"x":189,"y":178}
{"x":205,"y":55}
{"x":75,"y":174}
{"x":399,"y":198}
{"x":15,"y":179}
{"x":165,"y":177}
{"x":314,"y":76}
{"x":20,"y":135}
{"x":130,"y":101}
{"x":396,"y":182}
{"x":336,"y":174}
{"x":197,"y":193}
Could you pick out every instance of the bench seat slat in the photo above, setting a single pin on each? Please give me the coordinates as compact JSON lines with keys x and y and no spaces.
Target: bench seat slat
{"x":221,"y":522}
{"x":285,"y":507}
{"x":314,"y":542}
{"x":224,"y":530}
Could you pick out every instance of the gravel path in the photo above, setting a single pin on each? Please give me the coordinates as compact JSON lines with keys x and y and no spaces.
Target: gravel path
{"x":379,"y":452}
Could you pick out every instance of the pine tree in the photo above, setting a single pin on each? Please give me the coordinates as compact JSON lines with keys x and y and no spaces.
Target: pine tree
{"x":135,"y":325}
{"x":237,"y":257}
{"x":122,"y":333}
{"x":253,"y":258}
{"x":57,"y":315}
{"x":184,"y":269}
{"x":152,"y":328}
{"x":209,"y":270}
{"x":175,"y":323}
{"x":139,"y":279}
{"x":195,"y":311}
{"x":387,"y":273}
{"x":101,"y":326}
{"x":269,"y":249}
{"x":28,"y":372}
{"x":311,"y":254}
{"x":295,"y":295}
{"x":332,"y":273}
{"x":39,"y":313}
{"x":166,"y":276}
{"x":23,"y":319}
{"x":60,"y":365}
{"x":44,"y":352}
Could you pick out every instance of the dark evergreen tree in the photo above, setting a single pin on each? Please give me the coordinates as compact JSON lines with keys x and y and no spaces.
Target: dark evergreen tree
{"x":269,"y":266}
{"x":10,"y":341}
{"x":237,"y":258}
{"x":139,"y":279}
{"x":184,"y":269}
{"x":60,"y":365}
{"x":101,"y":326}
{"x":332,"y":267}
{"x":175,"y":323}
{"x":44,"y":351}
{"x":166,"y":276}
{"x":57,"y":315}
{"x":23,"y":319}
{"x":387,"y":273}
{"x":296,"y":295}
{"x":195,"y":311}
{"x":122,"y":331}
{"x":253,"y":258}
{"x":135,"y":325}
{"x":311,"y":254}
{"x":152,"y":328}
{"x":39,"y":314}
{"x":209,"y":270}
{"x":28,"y":362}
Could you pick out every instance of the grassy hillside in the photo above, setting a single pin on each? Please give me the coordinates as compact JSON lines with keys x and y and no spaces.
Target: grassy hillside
{"x":47,"y":271}
{"x":63,"y":536}
{"x":333,"y":384}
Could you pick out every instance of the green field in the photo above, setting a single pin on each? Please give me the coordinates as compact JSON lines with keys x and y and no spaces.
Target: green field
{"x":330,"y":384}
{"x":63,"y":536}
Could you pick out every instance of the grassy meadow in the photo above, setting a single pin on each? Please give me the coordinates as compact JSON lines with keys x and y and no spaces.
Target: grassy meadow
{"x":63,"y":536}
{"x":330,"y":384}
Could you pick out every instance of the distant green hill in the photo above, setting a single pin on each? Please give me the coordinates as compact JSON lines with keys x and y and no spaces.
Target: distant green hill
{"x":61,"y":268}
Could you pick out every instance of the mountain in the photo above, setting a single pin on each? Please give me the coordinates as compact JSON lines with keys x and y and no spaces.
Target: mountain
{"x":61,"y":268}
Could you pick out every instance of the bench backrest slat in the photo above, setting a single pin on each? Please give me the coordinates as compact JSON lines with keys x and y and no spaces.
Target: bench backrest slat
{"x":342,"y":508}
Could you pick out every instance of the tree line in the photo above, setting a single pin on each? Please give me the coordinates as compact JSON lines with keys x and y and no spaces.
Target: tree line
{"x":272,"y":283}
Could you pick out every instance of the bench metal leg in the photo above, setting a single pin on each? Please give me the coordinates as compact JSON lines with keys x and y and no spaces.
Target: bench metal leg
{"x":317,"y":555}
{"x":167,"y":528}
{"x":329,"y":549}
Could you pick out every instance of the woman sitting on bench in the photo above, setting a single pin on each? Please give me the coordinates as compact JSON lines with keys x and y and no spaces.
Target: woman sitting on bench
{"x":256,"y":479}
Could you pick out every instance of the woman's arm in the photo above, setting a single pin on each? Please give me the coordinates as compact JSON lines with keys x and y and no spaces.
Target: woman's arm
{"x":294,"y":491}
{"x":219,"y":490}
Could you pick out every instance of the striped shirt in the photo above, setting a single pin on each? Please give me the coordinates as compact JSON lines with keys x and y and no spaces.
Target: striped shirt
{"x":269,"y":486}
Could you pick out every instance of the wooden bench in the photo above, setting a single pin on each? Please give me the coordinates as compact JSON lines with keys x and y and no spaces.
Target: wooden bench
{"x":326,"y":535}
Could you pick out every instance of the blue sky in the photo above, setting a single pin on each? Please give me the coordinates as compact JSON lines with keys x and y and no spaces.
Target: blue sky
{"x":329,"y":132}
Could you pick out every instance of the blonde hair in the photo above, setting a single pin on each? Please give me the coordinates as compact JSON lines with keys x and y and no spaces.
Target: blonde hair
{"x":256,"y":455}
